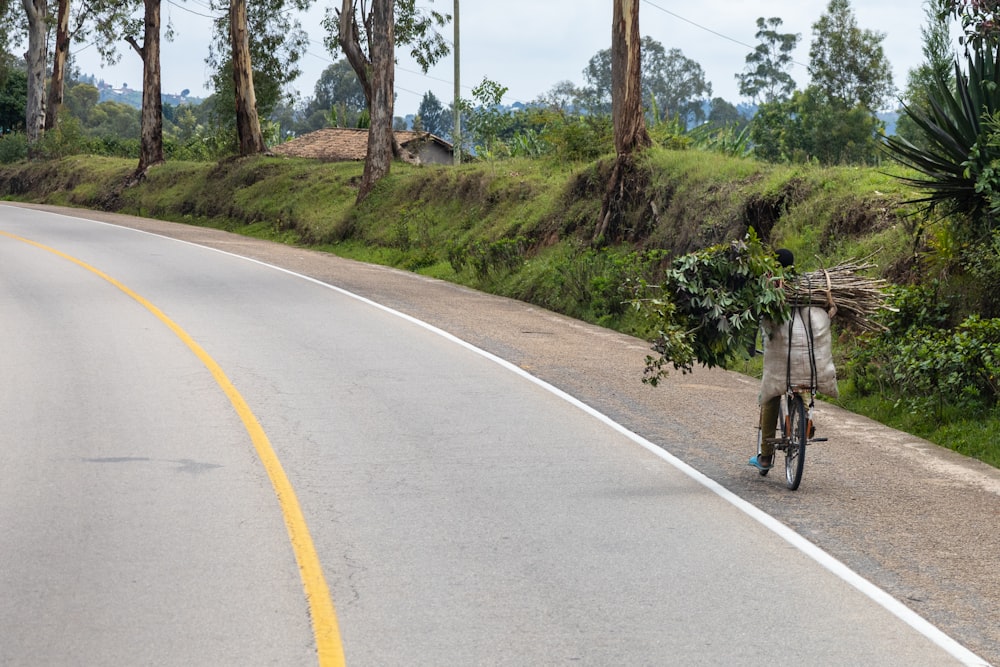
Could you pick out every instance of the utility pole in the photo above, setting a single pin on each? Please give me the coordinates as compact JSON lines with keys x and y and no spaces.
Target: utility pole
{"x":456,"y":132}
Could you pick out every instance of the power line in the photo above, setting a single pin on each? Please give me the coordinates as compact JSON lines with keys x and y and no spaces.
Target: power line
{"x":698,"y":25}
{"x":191,"y":11}
{"x":709,"y":30}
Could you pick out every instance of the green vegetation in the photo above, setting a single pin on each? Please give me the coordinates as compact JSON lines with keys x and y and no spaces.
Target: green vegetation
{"x":522,"y":228}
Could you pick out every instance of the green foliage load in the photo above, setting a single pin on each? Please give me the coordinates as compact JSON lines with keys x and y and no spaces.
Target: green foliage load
{"x":710,"y":304}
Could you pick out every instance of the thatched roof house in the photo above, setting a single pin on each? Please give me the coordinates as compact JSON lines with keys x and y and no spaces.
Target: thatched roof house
{"x":337,"y":144}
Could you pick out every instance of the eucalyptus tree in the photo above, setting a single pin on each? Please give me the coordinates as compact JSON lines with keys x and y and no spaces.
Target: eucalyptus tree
{"x":248,"y":132}
{"x":834,"y":120}
{"x":255,"y":53}
{"x":595,"y":96}
{"x":368,"y":33}
{"x":102,"y":22}
{"x":151,"y":123}
{"x":60,"y":56}
{"x":37,"y":14}
{"x":765,"y":77}
{"x":630,"y":131}
{"x":847,"y":64}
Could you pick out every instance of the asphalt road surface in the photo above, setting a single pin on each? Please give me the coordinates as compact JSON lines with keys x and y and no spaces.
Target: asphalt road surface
{"x":214,"y":461}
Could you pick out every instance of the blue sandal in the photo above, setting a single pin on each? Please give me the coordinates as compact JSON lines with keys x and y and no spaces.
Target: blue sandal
{"x":758,"y":462}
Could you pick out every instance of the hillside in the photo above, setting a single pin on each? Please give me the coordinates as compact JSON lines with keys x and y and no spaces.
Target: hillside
{"x":431,"y":218}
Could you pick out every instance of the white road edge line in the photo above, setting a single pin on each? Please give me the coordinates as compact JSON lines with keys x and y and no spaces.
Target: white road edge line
{"x":827,"y":561}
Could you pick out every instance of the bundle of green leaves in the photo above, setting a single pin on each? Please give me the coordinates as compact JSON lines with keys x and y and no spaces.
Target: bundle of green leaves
{"x":709,"y":305}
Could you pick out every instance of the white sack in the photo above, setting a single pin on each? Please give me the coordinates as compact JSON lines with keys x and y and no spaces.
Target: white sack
{"x":776,"y":354}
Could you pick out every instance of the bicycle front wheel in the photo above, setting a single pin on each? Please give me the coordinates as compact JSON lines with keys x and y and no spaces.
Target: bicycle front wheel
{"x":795,"y":437}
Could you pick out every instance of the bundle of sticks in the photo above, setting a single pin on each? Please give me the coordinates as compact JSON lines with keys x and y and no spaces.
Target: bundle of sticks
{"x":845,"y":293}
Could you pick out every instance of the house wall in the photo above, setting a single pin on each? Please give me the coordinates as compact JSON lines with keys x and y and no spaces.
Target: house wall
{"x":432,"y":153}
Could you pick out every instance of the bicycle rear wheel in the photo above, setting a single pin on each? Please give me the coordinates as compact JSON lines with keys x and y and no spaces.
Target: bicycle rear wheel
{"x":795,"y":438}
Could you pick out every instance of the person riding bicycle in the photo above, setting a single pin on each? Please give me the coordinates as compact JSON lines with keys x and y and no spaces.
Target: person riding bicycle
{"x":770,"y":407}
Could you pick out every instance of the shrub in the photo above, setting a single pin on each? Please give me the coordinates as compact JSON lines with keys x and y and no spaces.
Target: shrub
{"x":13,"y":147}
{"x":927,"y":365}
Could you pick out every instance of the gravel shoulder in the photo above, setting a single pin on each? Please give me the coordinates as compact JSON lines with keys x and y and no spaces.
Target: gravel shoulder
{"x":917,"y":520}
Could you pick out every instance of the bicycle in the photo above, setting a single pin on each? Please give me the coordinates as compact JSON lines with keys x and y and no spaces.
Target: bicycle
{"x":797,"y":430}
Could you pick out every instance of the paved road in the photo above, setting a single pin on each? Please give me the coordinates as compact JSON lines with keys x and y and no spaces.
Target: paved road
{"x":462,"y":512}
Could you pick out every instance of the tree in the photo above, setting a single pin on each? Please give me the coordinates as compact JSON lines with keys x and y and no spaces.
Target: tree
{"x":115,"y":119}
{"x":13,"y":98}
{"x":431,"y":113}
{"x":102,"y":23}
{"x":378,"y":87}
{"x":847,"y":64}
{"x":629,"y":121}
{"x":81,"y":100}
{"x":371,"y":52}
{"x":34,"y":117}
{"x":151,"y":133}
{"x":807,"y":127}
{"x":564,"y":96}
{"x":724,"y":114}
{"x":672,"y":83}
{"x":338,"y":89}
{"x":596,"y":95}
{"x":59,"y":58}
{"x":980,"y":22}
{"x":268,"y":60}
{"x":248,"y":132}
{"x":675,"y":82}
{"x":766,"y":78}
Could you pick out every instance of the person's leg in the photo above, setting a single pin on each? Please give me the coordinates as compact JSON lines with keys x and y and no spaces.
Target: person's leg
{"x":768,"y":425}
{"x":769,"y":422}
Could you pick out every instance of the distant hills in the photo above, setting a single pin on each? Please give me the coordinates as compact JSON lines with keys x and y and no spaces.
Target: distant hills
{"x":133,"y":96}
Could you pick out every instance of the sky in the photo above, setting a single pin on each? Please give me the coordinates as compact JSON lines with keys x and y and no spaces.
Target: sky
{"x":529,"y":46}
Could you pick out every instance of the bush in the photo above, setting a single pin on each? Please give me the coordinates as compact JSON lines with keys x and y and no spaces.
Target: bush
{"x":927,"y":365}
{"x":13,"y":147}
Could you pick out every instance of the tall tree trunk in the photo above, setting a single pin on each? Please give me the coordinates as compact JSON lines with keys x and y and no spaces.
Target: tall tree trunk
{"x":381,"y":139}
{"x":151,"y":123}
{"x":627,"y":112}
{"x":57,"y":82}
{"x":34,"y":119}
{"x":247,"y":121}
{"x":376,"y":76}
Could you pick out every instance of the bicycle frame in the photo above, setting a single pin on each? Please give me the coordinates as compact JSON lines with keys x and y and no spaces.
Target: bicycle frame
{"x":795,"y":420}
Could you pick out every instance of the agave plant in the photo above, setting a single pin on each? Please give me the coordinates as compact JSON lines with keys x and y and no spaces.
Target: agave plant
{"x":960,"y":165}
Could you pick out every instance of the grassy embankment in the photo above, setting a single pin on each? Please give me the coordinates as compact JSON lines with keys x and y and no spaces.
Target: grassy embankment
{"x":523,"y":228}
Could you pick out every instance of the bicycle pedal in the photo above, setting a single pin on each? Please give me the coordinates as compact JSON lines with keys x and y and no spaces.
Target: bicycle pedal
{"x":812,"y":440}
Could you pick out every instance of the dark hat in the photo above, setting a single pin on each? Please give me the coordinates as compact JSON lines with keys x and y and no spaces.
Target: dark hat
{"x":785,"y":257}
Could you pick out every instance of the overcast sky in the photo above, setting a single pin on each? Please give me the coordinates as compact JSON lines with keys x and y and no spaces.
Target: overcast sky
{"x":531,"y":45}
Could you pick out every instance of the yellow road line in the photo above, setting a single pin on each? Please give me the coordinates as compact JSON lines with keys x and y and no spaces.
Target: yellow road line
{"x":329,"y":648}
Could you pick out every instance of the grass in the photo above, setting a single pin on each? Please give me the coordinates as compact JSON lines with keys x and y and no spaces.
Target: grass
{"x":973,"y":434}
{"x":528,"y":224}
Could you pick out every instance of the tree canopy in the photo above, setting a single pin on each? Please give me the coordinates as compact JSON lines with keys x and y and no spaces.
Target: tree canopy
{"x":672,"y":84}
{"x":766,"y":77}
{"x":848,"y":64}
